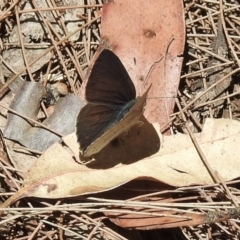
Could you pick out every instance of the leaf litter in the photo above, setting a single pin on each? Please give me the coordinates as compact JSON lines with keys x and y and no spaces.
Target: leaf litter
{"x":201,"y":29}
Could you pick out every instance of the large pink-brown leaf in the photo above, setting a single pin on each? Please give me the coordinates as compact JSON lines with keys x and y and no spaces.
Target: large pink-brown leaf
{"x":149,"y":38}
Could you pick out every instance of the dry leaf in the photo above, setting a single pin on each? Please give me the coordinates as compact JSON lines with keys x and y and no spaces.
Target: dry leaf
{"x":168,"y":218}
{"x":56,"y":175}
{"x":27,"y":103}
{"x":148,"y":37}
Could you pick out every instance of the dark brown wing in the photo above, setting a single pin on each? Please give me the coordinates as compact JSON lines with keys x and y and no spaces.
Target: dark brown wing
{"x":96,"y":119}
{"x":109,"y":81}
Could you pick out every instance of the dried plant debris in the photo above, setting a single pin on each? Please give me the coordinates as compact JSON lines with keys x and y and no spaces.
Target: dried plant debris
{"x":66,"y":34}
{"x":220,"y":48}
{"x":46,"y":38}
{"x":62,"y":121}
{"x":212,"y":60}
{"x":32,"y":34}
{"x":14,"y":58}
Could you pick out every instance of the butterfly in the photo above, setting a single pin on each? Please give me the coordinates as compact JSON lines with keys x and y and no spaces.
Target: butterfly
{"x":112,"y":106}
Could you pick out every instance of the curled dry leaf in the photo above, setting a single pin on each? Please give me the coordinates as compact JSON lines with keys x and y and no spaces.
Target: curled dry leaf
{"x":27,"y":103}
{"x":57,"y":175}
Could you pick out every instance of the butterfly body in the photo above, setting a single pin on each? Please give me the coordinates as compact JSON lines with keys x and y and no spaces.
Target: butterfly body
{"x":111,"y":109}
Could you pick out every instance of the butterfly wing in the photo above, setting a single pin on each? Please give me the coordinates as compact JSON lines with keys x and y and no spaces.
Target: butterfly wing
{"x":109,"y":81}
{"x":94,"y":120}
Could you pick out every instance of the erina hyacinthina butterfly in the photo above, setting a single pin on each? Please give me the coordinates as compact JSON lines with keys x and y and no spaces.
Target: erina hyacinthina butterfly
{"x":112,"y":106}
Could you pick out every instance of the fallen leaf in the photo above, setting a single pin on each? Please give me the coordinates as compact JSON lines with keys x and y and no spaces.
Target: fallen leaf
{"x":57,"y":175}
{"x":149,"y":39}
{"x":27,"y":103}
{"x":167,"y":218}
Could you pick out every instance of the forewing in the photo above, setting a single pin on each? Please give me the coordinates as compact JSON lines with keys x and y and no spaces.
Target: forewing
{"x":109,"y":81}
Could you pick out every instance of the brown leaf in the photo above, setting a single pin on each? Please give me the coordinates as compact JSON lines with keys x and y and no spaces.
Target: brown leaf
{"x":166,"y":219}
{"x":149,"y":39}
